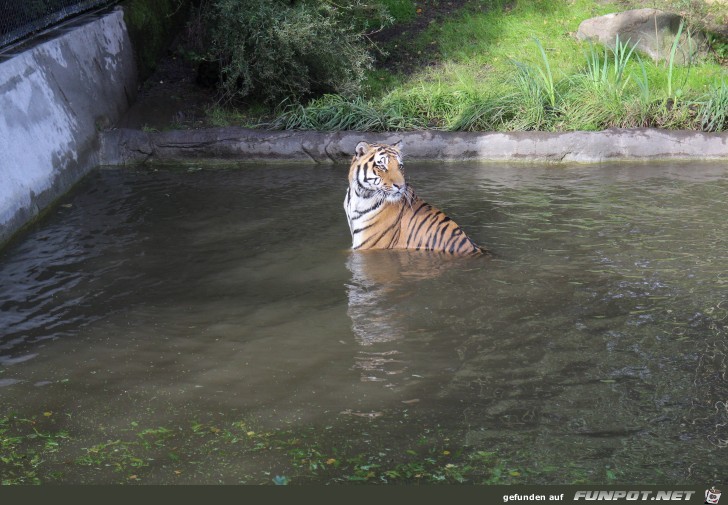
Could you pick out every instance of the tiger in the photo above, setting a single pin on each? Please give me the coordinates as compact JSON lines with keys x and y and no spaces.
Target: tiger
{"x":384,"y":211}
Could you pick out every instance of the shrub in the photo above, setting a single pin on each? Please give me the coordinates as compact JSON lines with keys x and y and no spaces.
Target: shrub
{"x":279,"y":52}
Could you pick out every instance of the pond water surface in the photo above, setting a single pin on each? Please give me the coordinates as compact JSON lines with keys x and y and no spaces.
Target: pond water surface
{"x":591,"y":348}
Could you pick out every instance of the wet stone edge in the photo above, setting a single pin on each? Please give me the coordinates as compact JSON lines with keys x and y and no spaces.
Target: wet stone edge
{"x":133,"y":147}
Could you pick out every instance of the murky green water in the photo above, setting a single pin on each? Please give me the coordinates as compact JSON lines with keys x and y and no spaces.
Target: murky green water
{"x":593,"y":348}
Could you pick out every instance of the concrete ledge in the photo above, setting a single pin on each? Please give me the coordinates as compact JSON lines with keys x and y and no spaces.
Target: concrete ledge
{"x":124,"y":147}
{"x":55,"y":97}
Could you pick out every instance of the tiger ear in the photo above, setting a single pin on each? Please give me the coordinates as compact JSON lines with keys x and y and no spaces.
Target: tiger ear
{"x":361,"y":148}
{"x":398,"y":145}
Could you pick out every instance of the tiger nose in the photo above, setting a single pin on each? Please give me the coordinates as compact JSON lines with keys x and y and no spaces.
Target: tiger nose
{"x":398,"y":187}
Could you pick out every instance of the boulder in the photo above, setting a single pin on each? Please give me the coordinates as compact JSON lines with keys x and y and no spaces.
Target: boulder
{"x":652,"y":31}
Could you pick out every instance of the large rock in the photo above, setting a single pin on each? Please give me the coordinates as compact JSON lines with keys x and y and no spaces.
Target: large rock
{"x":653,"y":32}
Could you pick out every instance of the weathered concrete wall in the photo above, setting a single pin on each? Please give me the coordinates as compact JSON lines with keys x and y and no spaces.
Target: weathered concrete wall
{"x":120,"y":147}
{"x":54,"y":99}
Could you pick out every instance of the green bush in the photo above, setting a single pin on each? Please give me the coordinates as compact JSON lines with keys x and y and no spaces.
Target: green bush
{"x":278,"y":51}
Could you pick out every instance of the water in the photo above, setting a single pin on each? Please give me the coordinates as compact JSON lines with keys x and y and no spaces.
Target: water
{"x":592,"y":348}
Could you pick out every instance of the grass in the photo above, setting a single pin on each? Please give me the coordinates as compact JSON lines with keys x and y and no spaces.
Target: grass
{"x":333,"y":113}
{"x":517,"y":66}
{"x":714,"y":111}
{"x":400,"y":10}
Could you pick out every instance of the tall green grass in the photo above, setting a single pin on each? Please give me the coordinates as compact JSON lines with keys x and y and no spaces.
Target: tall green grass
{"x":334,"y":113}
{"x":671,"y":60}
{"x":714,"y":109}
{"x":518,"y":67}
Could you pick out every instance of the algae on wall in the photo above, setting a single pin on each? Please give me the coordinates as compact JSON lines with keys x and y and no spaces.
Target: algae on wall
{"x":152,"y":25}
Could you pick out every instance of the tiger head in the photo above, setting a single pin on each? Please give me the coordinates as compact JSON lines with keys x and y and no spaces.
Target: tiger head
{"x":378,"y":169}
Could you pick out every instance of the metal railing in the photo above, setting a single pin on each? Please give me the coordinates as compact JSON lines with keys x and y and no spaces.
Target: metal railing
{"x":21,"y":19}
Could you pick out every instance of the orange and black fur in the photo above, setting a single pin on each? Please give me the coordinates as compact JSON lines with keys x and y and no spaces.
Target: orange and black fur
{"x":385,"y":213}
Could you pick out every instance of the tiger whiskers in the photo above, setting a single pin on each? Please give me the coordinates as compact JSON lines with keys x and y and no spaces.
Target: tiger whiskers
{"x":409,"y":195}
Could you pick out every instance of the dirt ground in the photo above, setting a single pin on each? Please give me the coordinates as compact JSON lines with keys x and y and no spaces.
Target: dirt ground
{"x":170,"y":98}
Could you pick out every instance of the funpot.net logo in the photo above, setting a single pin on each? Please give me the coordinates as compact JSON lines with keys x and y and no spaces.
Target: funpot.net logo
{"x":712,"y":496}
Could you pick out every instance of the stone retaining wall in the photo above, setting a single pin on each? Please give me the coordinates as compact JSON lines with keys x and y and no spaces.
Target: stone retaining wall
{"x":124,"y":147}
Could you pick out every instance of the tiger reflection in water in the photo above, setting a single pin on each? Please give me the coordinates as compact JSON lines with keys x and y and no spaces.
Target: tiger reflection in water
{"x":385,"y":298}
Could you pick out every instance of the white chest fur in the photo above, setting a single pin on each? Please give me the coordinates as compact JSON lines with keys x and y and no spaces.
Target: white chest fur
{"x":361,"y":207}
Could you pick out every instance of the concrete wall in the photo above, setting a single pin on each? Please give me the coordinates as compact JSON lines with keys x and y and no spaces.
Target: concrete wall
{"x":55,"y":98}
{"x":129,"y":147}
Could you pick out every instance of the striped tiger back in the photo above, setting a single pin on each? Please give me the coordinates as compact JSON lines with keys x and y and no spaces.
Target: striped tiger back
{"x":385,"y":213}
